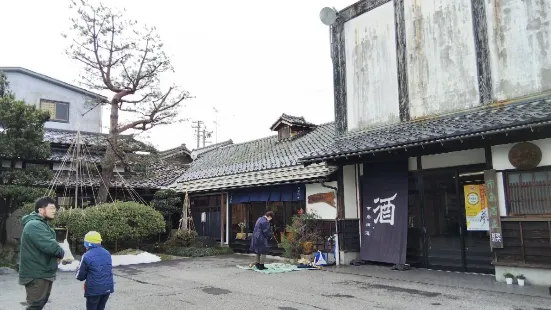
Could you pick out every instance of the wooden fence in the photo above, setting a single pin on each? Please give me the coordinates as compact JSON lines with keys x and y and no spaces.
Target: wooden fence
{"x":526,"y":243}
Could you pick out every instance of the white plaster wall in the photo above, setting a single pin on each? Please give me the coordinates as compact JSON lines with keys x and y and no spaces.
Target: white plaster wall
{"x":350,"y":192}
{"x":322,"y":209}
{"x":519,"y":35}
{"x":31,"y":90}
{"x":500,"y":154}
{"x":451,"y":159}
{"x":501,"y":194}
{"x":441,"y":56}
{"x":534,"y":276}
{"x":371,"y":69}
{"x":500,"y":161}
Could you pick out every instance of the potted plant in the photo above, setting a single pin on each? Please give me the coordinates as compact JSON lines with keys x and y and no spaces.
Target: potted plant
{"x":242,"y":234}
{"x":307,"y":247}
{"x":509,"y":278}
{"x":520,"y":279}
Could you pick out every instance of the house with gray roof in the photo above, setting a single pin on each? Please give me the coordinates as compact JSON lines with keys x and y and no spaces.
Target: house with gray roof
{"x":76,"y":119}
{"x":162,"y":170}
{"x":71,"y":107}
{"x":236,"y":183}
{"x":443,"y":136}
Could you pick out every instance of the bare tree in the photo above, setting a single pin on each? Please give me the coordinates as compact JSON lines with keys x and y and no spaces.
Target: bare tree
{"x":120,"y":56}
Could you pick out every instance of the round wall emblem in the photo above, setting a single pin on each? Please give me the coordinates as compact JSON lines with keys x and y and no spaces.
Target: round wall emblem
{"x":473,"y":198}
{"x":525,"y":155}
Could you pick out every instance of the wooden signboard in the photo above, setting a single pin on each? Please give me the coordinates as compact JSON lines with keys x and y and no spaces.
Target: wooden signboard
{"x":525,"y":155}
{"x":496,"y":236}
{"x":328,"y":198}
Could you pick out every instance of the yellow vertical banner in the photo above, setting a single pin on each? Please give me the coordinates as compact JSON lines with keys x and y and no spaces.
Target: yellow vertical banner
{"x":476,"y":208}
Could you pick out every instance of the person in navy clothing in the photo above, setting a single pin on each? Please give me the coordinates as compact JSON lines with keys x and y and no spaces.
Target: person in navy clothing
{"x":259,"y":242}
{"x":96,"y":269}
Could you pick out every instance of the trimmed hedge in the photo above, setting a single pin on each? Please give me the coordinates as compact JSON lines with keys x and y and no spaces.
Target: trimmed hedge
{"x":114,"y":221}
{"x":198,"y":252}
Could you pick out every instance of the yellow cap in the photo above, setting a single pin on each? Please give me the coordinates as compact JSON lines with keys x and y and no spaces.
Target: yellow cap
{"x":93,"y":237}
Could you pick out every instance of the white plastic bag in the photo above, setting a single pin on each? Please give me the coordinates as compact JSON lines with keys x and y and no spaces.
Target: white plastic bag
{"x":68,"y":255}
{"x":319,"y":259}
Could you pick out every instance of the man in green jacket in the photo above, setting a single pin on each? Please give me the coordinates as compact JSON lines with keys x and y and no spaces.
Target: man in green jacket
{"x":39,"y":253}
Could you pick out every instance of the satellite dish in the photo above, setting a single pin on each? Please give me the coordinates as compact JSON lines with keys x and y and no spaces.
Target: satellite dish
{"x":328,"y":16}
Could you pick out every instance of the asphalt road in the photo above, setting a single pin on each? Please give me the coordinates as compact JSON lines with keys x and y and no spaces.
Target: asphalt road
{"x":215,"y":283}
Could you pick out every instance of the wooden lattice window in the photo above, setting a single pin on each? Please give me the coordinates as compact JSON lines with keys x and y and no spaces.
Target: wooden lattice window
{"x":529,"y":192}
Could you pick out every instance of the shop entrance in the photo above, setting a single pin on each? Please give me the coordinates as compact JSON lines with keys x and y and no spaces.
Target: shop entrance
{"x":437,"y":236}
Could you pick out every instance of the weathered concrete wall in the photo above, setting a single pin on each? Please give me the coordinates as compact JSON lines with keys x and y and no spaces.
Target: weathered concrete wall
{"x":371,"y":69}
{"x":519,"y":35}
{"x":441,"y":56}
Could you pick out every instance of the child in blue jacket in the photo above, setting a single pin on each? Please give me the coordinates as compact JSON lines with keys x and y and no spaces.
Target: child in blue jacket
{"x":96,"y":269}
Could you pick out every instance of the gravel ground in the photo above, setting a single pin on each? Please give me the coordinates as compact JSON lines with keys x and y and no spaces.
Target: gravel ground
{"x":215,"y":283}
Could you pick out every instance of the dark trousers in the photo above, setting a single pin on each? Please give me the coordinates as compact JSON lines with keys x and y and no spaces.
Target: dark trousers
{"x":38,"y":292}
{"x":260,"y":258}
{"x":96,"y":302}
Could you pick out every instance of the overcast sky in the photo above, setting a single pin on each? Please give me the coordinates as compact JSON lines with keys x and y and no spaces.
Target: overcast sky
{"x":251,"y":60}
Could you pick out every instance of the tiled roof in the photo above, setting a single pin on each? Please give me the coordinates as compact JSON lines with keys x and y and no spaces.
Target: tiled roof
{"x":292,"y":120}
{"x":163,"y":175}
{"x":198,"y":152}
{"x":61,"y":155}
{"x":484,"y":121}
{"x":182,"y":149}
{"x":257,"y":162}
{"x":67,"y":137}
{"x":292,"y":174}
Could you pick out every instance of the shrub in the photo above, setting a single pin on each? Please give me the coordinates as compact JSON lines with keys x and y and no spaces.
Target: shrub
{"x":183,"y":238}
{"x":27,"y":209}
{"x":303,"y":228}
{"x":114,"y":221}
{"x":8,"y":257}
{"x":198,"y":252}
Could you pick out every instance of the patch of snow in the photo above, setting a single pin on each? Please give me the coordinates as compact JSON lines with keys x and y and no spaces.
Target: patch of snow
{"x":6,"y":270}
{"x":118,"y":260}
{"x":142,"y":258}
{"x":73,"y":266}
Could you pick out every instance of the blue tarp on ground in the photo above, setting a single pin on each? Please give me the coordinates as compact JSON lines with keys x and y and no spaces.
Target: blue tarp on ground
{"x":276,"y":268}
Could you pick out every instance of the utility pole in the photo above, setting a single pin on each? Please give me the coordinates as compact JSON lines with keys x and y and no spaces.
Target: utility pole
{"x":206,"y":134}
{"x":215,"y":125}
{"x":198,"y":131}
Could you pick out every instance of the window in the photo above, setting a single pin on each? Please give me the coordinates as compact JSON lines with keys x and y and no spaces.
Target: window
{"x":33,"y":165}
{"x":529,"y":192}
{"x":59,"y":111}
{"x":284,"y":132}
